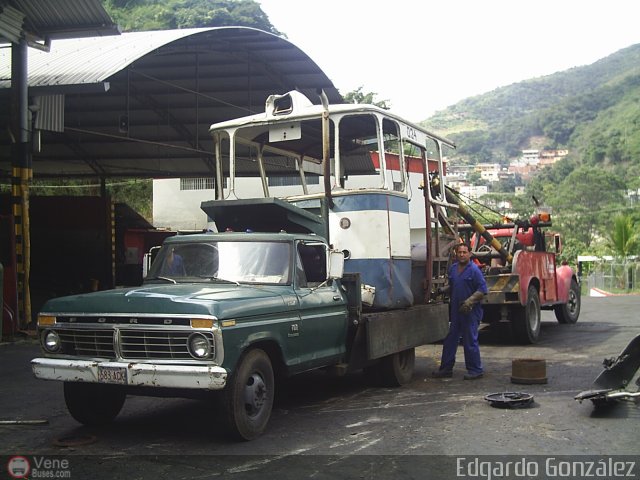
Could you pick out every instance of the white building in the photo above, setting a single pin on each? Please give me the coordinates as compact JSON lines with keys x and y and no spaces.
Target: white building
{"x":489,"y":171}
{"x":530,"y":157}
{"x":474,"y":191}
{"x":458,"y":173}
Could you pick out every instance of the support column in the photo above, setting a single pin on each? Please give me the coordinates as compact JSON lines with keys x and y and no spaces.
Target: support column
{"x":21,"y":176}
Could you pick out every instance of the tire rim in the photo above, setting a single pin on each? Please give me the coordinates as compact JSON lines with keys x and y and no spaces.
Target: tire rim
{"x":255,"y":394}
{"x":534,"y":316}
{"x":572,"y":302}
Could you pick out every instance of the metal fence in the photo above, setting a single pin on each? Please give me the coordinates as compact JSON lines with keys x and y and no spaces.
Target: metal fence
{"x":614,"y":277}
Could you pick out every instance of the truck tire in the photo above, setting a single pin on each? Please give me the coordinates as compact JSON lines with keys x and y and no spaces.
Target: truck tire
{"x":397,"y":369}
{"x":248,"y":398}
{"x":526,"y":319}
{"x":93,"y":403}
{"x":570,"y":311}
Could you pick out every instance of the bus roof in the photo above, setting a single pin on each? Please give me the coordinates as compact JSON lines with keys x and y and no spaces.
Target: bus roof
{"x":294,"y":106}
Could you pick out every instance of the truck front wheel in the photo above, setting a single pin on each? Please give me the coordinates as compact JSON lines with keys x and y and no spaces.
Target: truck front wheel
{"x":570,"y":311}
{"x":526,"y":320}
{"x":248,"y":398}
{"x":93,"y":403}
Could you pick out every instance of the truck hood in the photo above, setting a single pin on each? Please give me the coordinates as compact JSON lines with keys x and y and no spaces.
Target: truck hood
{"x":220,"y":300}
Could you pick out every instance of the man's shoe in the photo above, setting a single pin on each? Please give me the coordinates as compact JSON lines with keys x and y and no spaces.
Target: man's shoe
{"x":442,"y":374}
{"x":472,"y":376}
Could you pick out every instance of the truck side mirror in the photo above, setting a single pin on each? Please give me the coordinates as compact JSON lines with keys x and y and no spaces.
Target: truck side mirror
{"x":557,"y":243}
{"x":336,"y":264}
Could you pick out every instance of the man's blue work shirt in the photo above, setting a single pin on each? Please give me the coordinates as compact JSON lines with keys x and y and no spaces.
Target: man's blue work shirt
{"x":463,"y":285}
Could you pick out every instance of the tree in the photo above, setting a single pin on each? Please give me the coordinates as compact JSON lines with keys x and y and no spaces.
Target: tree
{"x":474,"y":178}
{"x":140,"y":15}
{"x":507,"y":185}
{"x":358,"y":96}
{"x":135,"y":192}
{"x":624,"y":239}
{"x":584,"y":201}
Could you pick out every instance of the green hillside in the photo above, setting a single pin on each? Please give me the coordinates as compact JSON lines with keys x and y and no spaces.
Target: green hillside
{"x":593,"y":110}
{"x":138,"y":15}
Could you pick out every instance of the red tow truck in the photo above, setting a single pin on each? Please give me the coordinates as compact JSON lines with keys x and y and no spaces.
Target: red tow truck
{"x":522,"y":274}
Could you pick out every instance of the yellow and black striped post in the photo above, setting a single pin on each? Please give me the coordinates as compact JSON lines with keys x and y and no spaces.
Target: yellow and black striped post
{"x":21,"y":178}
{"x":112,"y":224}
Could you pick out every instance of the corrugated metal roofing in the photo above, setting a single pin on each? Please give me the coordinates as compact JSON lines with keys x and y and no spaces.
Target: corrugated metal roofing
{"x":140,"y":104}
{"x":90,"y":60}
{"x":63,"y":18}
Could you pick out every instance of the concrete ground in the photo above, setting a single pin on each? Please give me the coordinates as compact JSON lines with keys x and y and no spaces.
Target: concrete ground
{"x":327,"y":427}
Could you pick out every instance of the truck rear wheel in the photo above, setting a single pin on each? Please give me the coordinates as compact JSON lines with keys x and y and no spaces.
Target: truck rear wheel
{"x":526,"y":320}
{"x":93,"y":403}
{"x":393,"y":370}
{"x":248,"y":398}
{"x":570,"y":311}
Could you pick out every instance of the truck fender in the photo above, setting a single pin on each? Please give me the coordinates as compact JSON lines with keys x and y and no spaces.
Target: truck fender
{"x":564,"y":275}
{"x":525,"y":283}
{"x":270,"y":346}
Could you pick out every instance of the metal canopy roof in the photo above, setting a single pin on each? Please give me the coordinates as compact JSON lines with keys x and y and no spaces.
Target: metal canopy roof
{"x":140,"y":104}
{"x":43,"y":20}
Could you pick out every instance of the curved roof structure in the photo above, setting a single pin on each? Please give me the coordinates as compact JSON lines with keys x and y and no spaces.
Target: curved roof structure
{"x":44,"y":20}
{"x":140,"y":104}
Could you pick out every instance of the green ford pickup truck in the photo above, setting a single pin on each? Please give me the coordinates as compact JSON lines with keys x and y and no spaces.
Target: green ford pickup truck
{"x":225,"y":312}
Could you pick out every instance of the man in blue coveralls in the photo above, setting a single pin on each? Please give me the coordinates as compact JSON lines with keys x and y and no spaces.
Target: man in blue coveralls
{"x":467,"y":288}
{"x":174,"y":265}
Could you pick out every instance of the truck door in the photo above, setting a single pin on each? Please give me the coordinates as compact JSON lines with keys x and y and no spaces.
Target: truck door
{"x":323,"y":309}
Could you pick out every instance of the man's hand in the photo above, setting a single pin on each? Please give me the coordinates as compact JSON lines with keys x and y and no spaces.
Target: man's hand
{"x":467,"y":305}
{"x":443,"y":290}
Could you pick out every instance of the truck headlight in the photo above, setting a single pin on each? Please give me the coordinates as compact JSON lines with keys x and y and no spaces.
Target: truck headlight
{"x":51,"y":341}
{"x":199,"y":346}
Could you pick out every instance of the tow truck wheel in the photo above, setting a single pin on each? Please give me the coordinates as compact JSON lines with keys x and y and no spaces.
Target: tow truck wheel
{"x":397,"y":369}
{"x":93,"y":403}
{"x":570,"y":311}
{"x":248,"y":398}
{"x":526,"y":320}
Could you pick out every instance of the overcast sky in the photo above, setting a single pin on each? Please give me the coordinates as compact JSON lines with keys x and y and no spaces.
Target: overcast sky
{"x":425,"y":55}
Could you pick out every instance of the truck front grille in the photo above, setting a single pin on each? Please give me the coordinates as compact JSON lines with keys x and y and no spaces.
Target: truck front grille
{"x":133,"y":344}
{"x":155,"y":344}
{"x":90,"y":343}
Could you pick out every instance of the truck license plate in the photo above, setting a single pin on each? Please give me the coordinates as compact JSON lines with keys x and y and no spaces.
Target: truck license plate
{"x":112,"y":375}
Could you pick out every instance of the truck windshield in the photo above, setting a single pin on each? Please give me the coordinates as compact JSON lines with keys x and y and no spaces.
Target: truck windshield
{"x":241,"y":262}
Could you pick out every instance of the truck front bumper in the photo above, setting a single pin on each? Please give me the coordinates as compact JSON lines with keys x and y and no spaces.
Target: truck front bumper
{"x":208,"y":377}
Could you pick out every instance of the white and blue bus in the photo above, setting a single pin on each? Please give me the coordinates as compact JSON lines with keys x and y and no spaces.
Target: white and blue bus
{"x":359,"y":168}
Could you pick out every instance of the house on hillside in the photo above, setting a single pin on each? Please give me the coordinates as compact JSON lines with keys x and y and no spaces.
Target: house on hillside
{"x":530,"y":157}
{"x":533,"y":160}
{"x":474,"y":191}
{"x":549,"y":157}
{"x":489,"y":171}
